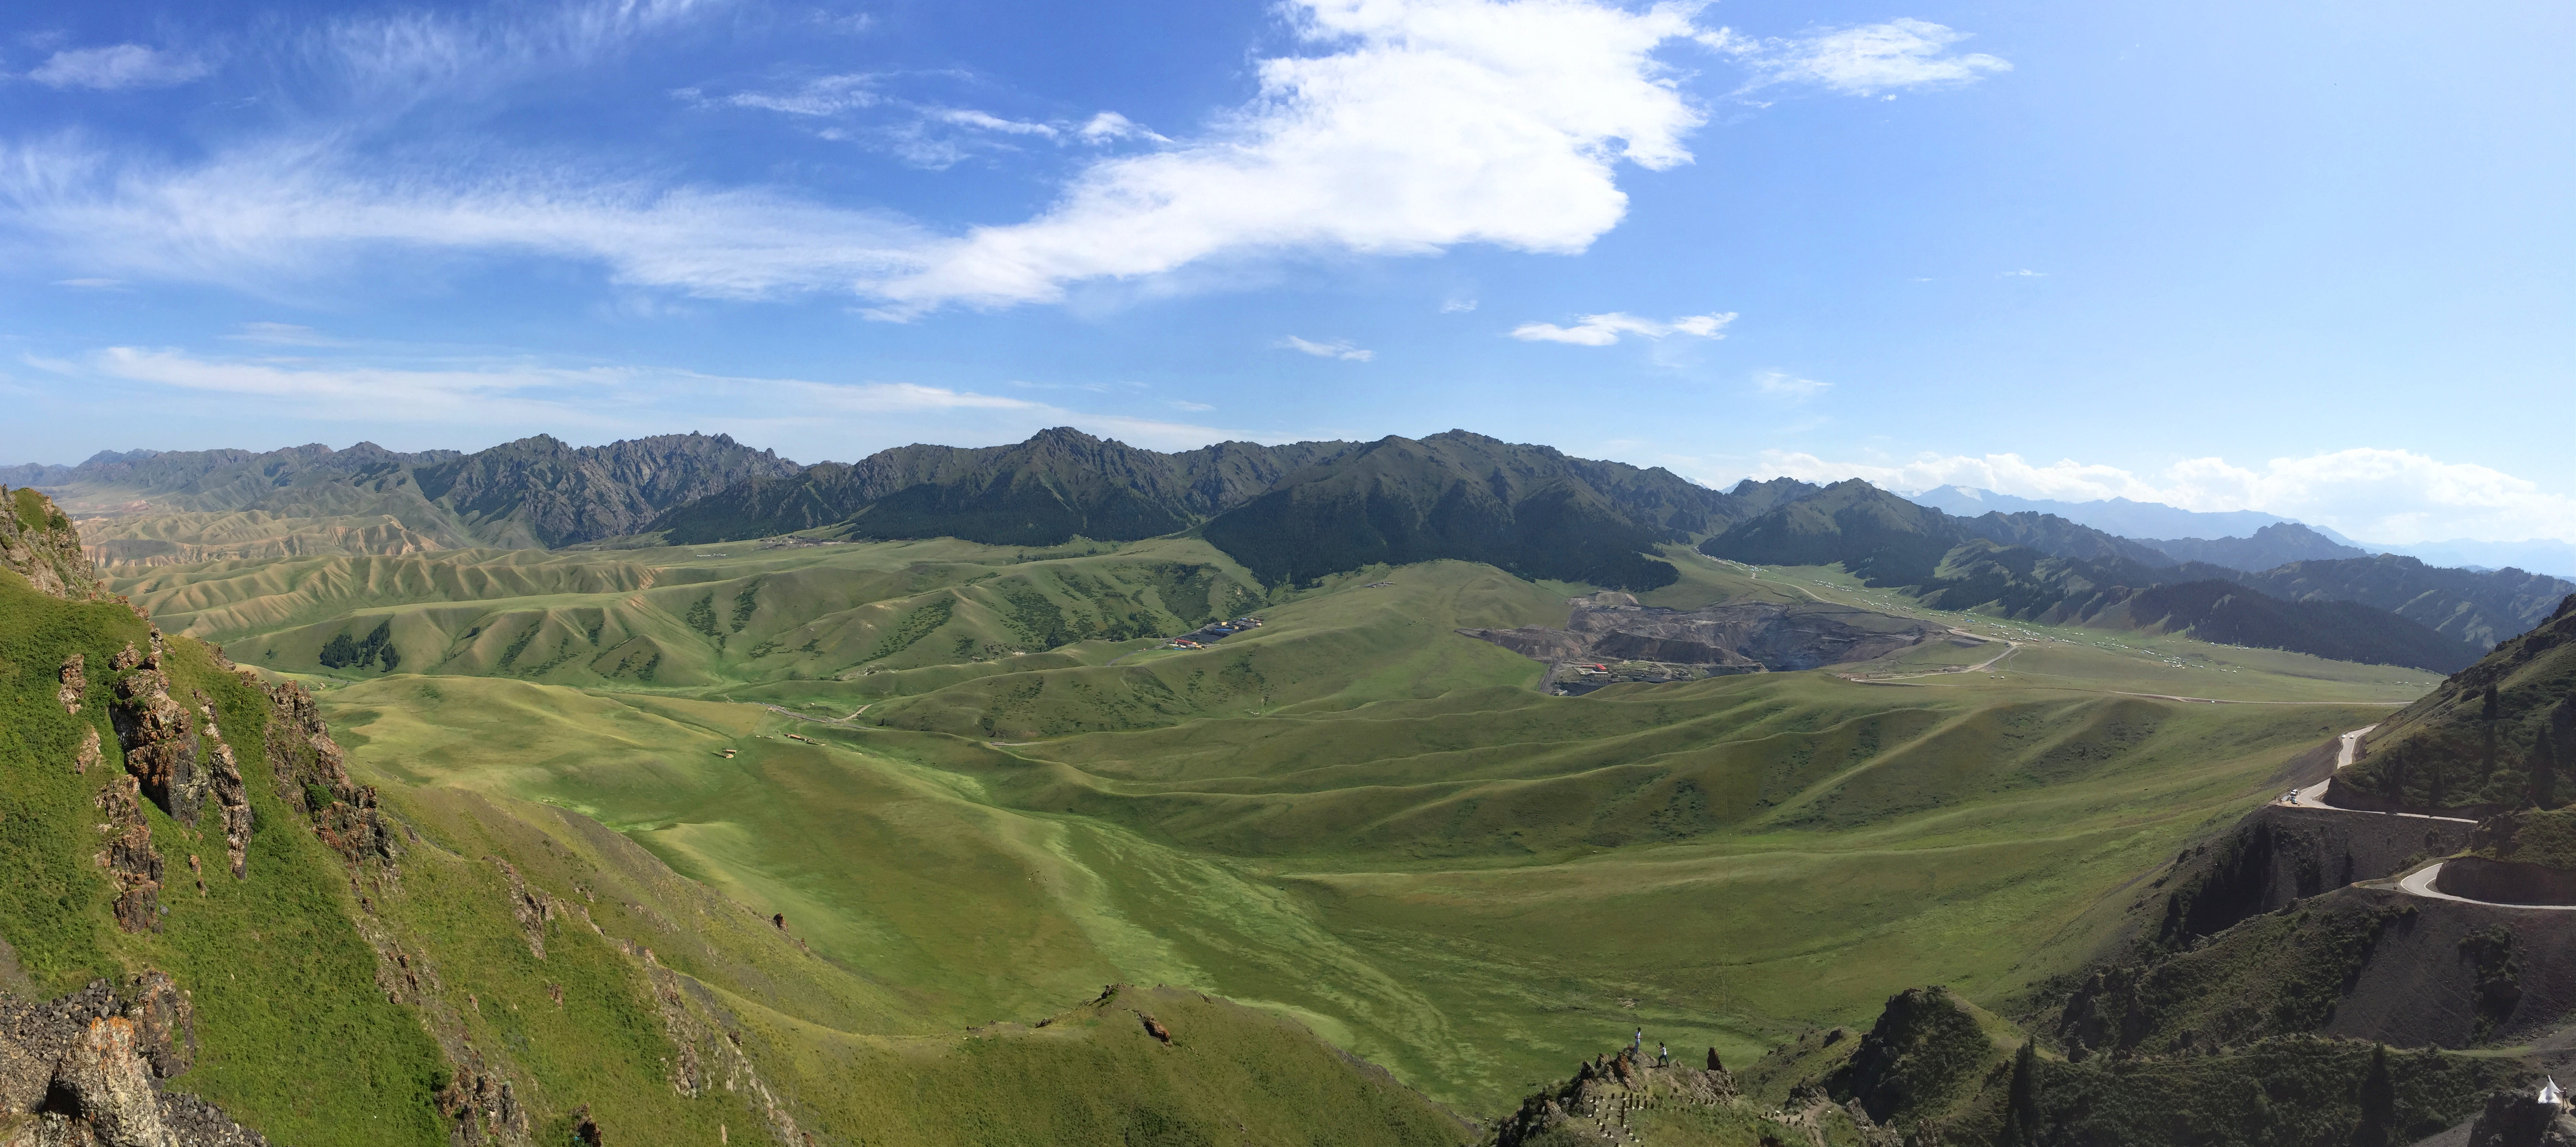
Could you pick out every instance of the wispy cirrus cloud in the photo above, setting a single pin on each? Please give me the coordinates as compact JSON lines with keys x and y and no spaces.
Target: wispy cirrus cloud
{"x":1861,"y":61}
{"x":1789,"y":386}
{"x":1605,"y":329}
{"x":1337,"y":348}
{"x":117,"y":67}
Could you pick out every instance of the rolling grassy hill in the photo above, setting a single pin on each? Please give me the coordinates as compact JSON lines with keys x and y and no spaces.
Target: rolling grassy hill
{"x":1353,"y":816}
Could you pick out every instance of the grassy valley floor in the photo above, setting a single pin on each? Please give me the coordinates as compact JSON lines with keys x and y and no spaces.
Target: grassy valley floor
{"x":1352,"y":816}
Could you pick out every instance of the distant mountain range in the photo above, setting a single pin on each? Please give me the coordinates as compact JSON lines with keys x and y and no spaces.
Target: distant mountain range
{"x":535,"y":492}
{"x":1295,"y":512}
{"x":2149,"y":520}
{"x":2115,"y":515}
{"x":2384,"y":608}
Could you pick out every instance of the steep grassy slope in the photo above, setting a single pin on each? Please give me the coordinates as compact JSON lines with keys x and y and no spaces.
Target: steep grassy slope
{"x":2489,"y":738}
{"x":446,"y":963}
{"x":2481,"y":607}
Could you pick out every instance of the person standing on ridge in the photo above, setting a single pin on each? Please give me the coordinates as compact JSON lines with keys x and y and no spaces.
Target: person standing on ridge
{"x":1663,"y":1056}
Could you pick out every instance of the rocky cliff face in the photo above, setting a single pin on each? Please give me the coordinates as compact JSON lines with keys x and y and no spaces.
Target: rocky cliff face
{"x":86,"y":1070}
{"x":38,"y":543}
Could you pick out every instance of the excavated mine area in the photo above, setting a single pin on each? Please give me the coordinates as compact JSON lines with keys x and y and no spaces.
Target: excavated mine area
{"x":1609,"y":639}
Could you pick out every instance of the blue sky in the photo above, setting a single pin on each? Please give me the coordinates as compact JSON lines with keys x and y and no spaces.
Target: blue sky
{"x":2307,"y":258}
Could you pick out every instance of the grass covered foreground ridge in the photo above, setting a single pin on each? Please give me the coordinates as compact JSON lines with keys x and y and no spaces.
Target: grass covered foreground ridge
{"x":333,"y":963}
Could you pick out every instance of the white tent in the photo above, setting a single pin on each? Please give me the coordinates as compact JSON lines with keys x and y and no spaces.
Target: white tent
{"x":2550,"y":1094}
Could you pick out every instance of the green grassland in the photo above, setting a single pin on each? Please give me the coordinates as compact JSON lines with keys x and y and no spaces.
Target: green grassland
{"x":1009,"y":795}
{"x":335,"y":1001}
{"x":977,"y":789}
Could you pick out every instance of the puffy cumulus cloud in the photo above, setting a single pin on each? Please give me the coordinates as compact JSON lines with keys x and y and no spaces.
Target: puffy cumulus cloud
{"x":1338,"y":348}
{"x":1604,"y":330}
{"x":1429,"y":123}
{"x":116,"y":67}
{"x":1860,"y":61}
{"x":2391,"y":496}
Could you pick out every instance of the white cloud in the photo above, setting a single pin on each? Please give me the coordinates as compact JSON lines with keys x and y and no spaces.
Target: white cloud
{"x":1410,"y":127}
{"x":1338,"y":348}
{"x":2391,"y":496}
{"x":480,"y":394}
{"x":1193,"y":407}
{"x":1860,"y":61}
{"x":92,"y":284}
{"x":286,"y":211}
{"x":1457,"y":306}
{"x":1109,"y":127}
{"x":1431,"y":123}
{"x":821,"y":96}
{"x":282,"y":334}
{"x":2025,"y":273}
{"x":1787,"y":386}
{"x":117,"y":67}
{"x":1604,"y":330}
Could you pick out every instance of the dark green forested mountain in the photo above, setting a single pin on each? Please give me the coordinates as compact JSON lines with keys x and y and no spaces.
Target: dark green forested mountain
{"x":1528,"y":509}
{"x":2044,"y":568}
{"x":2482,"y":607}
{"x":2231,"y":614}
{"x":1058,"y":484}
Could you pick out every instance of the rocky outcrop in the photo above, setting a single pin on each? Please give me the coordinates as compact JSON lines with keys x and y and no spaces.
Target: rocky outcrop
{"x":312,"y":773}
{"x":529,"y":910}
{"x":129,"y":858}
{"x":89,"y":754}
{"x":1747,"y":637}
{"x":224,"y":783}
{"x":38,"y":543}
{"x":1600,"y":1095}
{"x":160,"y":746}
{"x":2517,"y":1119}
{"x":75,"y":682}
{"x":86,"y":1070}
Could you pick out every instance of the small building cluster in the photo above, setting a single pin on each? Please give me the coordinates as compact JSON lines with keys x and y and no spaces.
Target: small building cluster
{"x":1207,"y":635}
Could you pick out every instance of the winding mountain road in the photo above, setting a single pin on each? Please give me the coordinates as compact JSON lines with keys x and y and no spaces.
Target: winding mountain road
{"x":2419,"y":882}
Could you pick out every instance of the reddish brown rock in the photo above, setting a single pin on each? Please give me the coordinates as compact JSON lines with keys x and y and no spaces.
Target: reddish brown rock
{"x":1154,"y":1028}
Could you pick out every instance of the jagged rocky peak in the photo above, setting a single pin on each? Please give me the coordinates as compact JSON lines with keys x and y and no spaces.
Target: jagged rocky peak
{"x":38,"y":542}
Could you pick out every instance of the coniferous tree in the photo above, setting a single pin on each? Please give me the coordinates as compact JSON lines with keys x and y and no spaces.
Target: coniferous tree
{"x":2544,"y":771}
{"x":2021,"y":1100}
{"x":2378,"y":1099}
